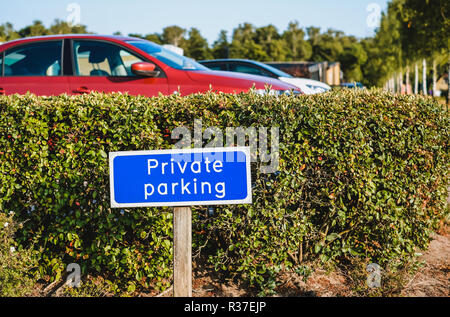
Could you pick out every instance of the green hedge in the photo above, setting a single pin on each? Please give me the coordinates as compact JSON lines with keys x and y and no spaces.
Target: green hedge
{"x":361,"y":174}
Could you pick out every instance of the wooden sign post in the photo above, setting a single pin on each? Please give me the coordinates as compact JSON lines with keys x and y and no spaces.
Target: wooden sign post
{"x":180,"y":178}
{"x":182,"y":252}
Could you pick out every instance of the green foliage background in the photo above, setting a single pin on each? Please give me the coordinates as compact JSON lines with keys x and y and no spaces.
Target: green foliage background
{"x":362,"y":174}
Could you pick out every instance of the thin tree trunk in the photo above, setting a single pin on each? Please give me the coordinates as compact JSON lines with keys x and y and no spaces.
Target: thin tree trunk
{"x":416,"y":79}
{"x":395,"y":83}
{"x":434,"y":77}
{"x":448,"y":82}
{"x":400,"y":82}
{"x":424,"y":76}
{"x":407,"y":80}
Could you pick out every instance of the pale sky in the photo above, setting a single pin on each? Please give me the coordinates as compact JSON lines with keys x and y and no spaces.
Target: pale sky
{"x":354,"y":17}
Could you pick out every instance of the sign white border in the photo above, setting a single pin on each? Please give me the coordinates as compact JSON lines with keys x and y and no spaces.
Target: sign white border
{"x":246,"y":200}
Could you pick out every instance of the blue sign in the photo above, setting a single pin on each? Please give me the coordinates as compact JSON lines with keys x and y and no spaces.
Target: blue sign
{"x":214,"y":176}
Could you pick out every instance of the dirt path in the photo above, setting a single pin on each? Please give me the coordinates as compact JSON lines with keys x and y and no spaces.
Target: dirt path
{"x":433,"y":279}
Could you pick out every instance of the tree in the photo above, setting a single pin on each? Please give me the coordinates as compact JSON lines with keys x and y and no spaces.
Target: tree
{"x":425,"y":29}
{"x":325,"y":46}
{"x":384,"y":50}
{"x":373,"y":63}
{"x":62,"y":27}
{"x":36,"y":29}
{"x":243,"y":44}
{"x":197,"y":46}
{"x":298,"y":49}
{"x":221,"y":47}
{"x":154,"y":37}
{"x":271,"y":42}
{"x":425,"y":26}
{"x":174,"y":35}
{"x":7,"y":32}
{"x":352,"y":57}
{"x":137,"y":35}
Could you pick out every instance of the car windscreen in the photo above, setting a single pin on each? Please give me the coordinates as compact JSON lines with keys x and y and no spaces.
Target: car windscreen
{"x":167,"y":57}
{"x":274,"y":70}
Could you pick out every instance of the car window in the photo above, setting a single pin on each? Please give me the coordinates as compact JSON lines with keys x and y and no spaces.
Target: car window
{"x":1,"y":64}
{"x":93,"y":58}
{"x":274,"y":72}
{"x":167,"y":57}
{"x":35,"y":59}
{"x":216,"y":66}
{"x":248,"y":69}
{"x":128,"y":59}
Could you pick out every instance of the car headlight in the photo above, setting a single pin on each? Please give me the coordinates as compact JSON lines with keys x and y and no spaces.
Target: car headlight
{"x":273,"y":92}
{"x":316,"y":89}
{"x":291,"y":92}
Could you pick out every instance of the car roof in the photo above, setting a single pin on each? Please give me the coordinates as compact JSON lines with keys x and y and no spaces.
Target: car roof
{"x":232,"y":60}
{"x":269,"y":68}
{"x":68,"y":36}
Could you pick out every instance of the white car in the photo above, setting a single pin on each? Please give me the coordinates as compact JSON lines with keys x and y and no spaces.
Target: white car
{"x":307,"y":86}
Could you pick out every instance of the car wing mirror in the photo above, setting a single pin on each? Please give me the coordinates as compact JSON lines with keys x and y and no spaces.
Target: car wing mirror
{"x":146,"y":69}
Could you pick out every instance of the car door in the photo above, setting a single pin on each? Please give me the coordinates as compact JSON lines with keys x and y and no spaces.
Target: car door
{"x":106,"y":67}
{"x":34,"y":67}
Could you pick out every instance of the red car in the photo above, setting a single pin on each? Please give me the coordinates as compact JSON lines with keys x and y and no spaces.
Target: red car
{"x":77,"y":64}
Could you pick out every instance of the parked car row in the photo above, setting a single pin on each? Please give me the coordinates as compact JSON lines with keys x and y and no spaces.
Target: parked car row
{"x":77,"y":64}
{"x":307,"y":86}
